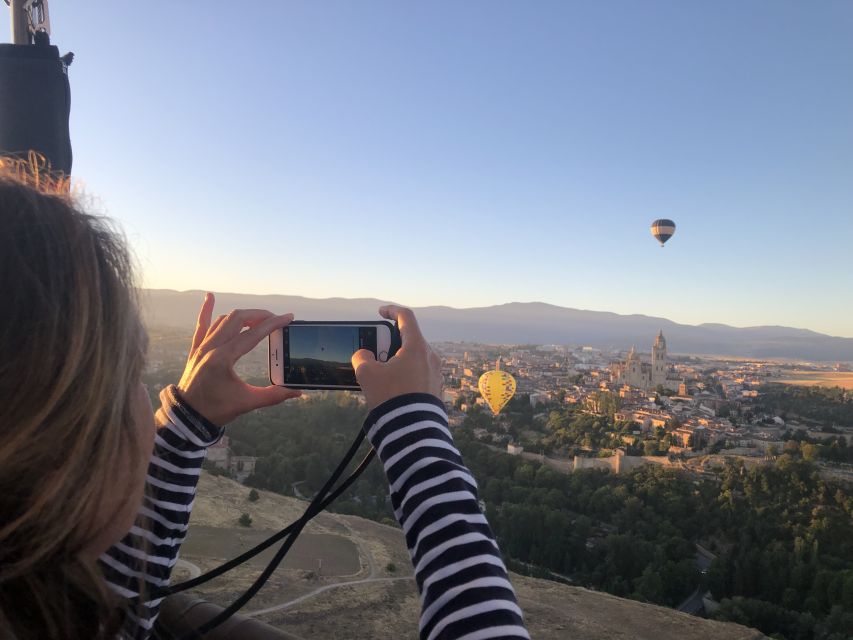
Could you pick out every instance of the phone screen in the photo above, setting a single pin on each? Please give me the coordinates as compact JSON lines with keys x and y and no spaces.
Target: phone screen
{"x":321,"y":354}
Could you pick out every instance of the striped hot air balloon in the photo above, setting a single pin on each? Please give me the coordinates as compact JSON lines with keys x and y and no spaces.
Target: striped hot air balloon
{"x":663,"y":230}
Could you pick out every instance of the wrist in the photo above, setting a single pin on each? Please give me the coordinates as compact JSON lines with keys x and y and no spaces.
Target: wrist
{"x":200,"y":426}
{"x":402,"y":404}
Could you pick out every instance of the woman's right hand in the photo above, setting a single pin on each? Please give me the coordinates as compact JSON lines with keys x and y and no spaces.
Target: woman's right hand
{"x":209,"y":384}
{"x":415,"y":368}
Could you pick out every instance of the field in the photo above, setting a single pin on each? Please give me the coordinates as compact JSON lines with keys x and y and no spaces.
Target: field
{"x":842,"y":379}
{"x":329,"y":554}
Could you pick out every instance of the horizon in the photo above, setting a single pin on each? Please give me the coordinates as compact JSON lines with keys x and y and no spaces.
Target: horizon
{"x":470,"y":154}
{"x":474,"y":308}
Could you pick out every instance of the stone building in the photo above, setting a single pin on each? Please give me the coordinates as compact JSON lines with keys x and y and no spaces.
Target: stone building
{"x":220,"y":455}
{"x":635,"y":372}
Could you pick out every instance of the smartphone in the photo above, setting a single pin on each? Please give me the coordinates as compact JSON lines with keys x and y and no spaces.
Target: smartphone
{"x":316,"y":354}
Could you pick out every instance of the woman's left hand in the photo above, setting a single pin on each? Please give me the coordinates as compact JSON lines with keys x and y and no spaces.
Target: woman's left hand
{"x":209,"y":383}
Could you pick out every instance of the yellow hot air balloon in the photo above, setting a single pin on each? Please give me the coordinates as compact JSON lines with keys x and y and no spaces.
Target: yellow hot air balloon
{"x":496,"y":387}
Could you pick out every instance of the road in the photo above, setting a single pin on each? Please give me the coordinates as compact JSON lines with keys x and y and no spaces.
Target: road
{"x":693,"y":604}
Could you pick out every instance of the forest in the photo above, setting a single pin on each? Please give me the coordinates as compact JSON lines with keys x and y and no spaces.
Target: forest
{"x":829,"y":406}
{"x":783,"y":537}
{"x":830,"y":448}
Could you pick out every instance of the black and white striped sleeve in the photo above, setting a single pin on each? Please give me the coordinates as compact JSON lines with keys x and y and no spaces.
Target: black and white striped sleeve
{"x":144,"y":558}
{"x":465,"y":592}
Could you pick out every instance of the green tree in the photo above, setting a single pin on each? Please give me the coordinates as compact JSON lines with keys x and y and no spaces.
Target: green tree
{"x":792,"y":448}
{"x":649,"y":585}
{"x":253,"y":495}
{"x":245,"y":520}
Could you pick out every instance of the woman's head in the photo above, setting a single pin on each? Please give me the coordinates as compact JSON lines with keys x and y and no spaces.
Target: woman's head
{"x":72,"y":448}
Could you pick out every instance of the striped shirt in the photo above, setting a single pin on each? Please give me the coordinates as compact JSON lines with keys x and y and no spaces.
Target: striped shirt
{"x":144,"y":558}
{"x":465,"y":592}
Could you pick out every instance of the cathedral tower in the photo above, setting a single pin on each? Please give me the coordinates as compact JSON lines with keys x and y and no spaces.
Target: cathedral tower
{"x":659,"y":363}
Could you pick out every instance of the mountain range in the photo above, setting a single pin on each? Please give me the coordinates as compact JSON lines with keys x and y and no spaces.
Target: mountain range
{"x":524,"y":323}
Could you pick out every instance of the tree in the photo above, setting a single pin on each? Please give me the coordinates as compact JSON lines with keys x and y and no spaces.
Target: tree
{"x":649,"y":585}
{"x":650,"y":447}
{"x":315,"y":471}
{"x":792,"y":448}
{"x":245,"y":520}
{"x":253,"y":495}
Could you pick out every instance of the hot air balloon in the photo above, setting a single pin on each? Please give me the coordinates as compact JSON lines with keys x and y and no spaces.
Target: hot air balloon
{"x":496,"y":387}
{"x":663,"y":230}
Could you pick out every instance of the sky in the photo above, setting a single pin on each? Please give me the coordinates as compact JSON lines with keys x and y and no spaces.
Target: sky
{"x":476,"y":153}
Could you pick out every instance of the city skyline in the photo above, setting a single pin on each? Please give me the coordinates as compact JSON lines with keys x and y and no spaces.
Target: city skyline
{"x":481,"y":154}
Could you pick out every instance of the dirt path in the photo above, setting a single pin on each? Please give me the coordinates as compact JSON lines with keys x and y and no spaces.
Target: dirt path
{"x":186,"y":565}
{"x":328,"y":587}
{"x":364,"y":551}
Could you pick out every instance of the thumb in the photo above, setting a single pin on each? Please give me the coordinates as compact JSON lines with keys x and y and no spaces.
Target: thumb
{"x":271,"y":395}
{"x":363,"y":360}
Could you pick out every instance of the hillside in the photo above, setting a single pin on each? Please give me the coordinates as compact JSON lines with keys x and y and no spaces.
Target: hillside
{"x":348,"y":577}
{"x":525,"y":323}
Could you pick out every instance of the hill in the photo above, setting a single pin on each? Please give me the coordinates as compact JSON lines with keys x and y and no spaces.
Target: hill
{"x":351,"y":578}
{"x":526,"y":323}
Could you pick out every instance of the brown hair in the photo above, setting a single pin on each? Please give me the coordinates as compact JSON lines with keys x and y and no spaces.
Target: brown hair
{"x":71,"y":354}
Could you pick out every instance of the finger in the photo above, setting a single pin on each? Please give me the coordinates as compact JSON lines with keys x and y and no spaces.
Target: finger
{"x":203,"y":323}
{"x":271,"y":395}
{"x":406,"y":322}
{"x":213,"y":328}
{"x":248,"y":340}
{"x":233,"y":324}
{"x":363,"y":360}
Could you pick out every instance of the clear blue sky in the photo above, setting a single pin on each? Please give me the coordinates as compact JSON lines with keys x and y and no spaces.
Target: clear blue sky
{"x":474,"y":153}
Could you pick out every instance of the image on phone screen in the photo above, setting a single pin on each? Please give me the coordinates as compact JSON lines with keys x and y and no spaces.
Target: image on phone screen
{"x":321,"y":354}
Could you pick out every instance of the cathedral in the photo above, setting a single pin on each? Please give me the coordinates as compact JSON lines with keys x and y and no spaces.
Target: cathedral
{"x":643,"y":375}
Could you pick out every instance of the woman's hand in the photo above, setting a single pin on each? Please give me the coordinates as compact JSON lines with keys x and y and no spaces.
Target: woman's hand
{"x":209,"y":383}
{"x":414,"y":369}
